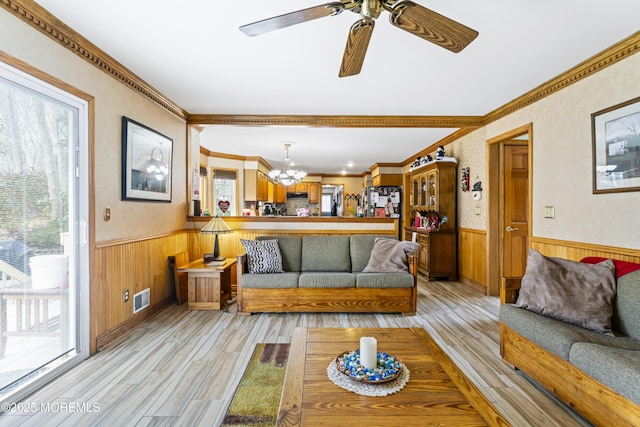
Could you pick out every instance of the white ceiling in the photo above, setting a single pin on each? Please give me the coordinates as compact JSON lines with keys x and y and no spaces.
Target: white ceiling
{"x":193,"y":53}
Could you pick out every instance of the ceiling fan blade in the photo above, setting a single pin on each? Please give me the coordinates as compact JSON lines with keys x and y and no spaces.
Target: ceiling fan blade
{"x":356,"y":49}
{"x":431,"y":26}
{"x":292,"y":18}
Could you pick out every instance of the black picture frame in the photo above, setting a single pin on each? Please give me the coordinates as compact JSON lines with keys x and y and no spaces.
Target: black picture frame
{"x":147,"y":158}
{"x":616,"y":148}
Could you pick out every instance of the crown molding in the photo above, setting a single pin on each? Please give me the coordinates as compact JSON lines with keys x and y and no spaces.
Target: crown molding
{"x":338,"y":121}
{"x":596,"y":63}
{"x":40,"y":19}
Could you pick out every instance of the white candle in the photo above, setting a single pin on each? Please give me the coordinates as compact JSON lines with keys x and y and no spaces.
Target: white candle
{"x":369,"y":352}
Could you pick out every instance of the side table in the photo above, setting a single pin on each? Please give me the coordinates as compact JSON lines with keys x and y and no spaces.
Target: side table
{"x":209,"y":287}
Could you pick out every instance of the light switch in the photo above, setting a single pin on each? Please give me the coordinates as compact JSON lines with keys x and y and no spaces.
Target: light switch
{"x":478,"y":210}
{"x":549,"y":212}
{"x":107,"y":214}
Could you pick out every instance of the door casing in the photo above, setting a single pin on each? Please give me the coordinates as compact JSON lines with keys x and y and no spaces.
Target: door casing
{"x":495,"y":203}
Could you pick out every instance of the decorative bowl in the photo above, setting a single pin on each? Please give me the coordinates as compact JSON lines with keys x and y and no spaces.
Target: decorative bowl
{"x":388,"y":369}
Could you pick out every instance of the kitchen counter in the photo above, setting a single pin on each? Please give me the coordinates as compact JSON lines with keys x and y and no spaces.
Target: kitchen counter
{"x":308,"y":223}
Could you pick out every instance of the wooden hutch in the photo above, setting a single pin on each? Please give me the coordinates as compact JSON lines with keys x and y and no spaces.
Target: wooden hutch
{"x":432,"y":191}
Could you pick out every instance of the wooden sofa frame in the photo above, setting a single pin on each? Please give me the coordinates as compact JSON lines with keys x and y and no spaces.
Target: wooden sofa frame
{"x":330,"y":300}
{"x":594,"y":401}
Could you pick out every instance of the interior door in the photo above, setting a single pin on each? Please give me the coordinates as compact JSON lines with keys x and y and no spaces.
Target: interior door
{"x":516,"y":210}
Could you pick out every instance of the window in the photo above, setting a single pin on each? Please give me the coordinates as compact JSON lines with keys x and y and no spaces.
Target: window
{"x":43,"y":215}
{"x":225,"y":192}
{"x":204,"y":187}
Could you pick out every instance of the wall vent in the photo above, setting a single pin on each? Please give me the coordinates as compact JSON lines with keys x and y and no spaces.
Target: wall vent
{"x":141,"y":300}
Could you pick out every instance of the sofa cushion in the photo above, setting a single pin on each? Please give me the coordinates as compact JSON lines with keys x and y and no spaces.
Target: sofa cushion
{"x":263,"y":256}
{"x":290,"y":249}
{"x":390,"y":256}
{"x":270,"y":281}
{"x":571,"y":291}
{"x":384,"y":280}
{"x":553,"y":335}
{"x":557,"y":336}
{"x":360,"y":246}
{"x":326,"y":253}
{"x":618,"y":369}
{"x":626,"y":306}
{"x":327,"y":280}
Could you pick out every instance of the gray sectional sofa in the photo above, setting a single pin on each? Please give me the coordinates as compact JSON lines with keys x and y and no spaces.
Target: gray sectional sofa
{"x":325,"y":274}
{"x":595,"y":373}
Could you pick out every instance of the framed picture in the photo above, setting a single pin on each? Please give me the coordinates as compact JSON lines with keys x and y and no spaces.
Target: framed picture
{"x":146,"y":163}
{"x":616,"y":148}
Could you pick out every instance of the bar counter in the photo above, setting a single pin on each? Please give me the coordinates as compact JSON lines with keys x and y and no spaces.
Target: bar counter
{"x":311,"y":224}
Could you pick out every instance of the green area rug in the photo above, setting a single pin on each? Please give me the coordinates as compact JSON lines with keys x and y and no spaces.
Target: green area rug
{"x":256,"y":401}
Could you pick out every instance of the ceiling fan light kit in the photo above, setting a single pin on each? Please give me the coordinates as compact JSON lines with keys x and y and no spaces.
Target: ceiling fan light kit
{"x":403,"y":14}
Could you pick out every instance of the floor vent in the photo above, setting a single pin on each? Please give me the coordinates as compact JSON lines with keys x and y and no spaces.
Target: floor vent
{"x":141,"y":300}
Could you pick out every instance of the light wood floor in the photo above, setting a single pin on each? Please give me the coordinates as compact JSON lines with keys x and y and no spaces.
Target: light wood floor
{"x":181,"y":368}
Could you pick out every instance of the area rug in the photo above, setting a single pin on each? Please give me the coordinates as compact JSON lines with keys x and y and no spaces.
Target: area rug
{"x":256,"y":400}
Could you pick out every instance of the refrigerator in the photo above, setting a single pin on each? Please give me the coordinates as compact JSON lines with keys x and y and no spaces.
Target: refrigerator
{"x":383,"y":202}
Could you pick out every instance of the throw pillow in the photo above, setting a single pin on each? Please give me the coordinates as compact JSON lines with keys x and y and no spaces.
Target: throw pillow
{"x":389,"y":256}
{"x":263,"y":256}
{"x":622,"y":267}
{"x":574,"y":292}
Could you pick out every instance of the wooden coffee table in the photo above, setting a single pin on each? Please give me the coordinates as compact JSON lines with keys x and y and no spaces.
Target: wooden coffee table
{"x":438,"y":393}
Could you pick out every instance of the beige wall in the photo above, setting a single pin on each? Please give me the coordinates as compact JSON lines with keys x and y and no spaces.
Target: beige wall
{"x":351,"y":184}
{"x":112,"y":101}
{"x":470,"y":151}
{"x":562,"y":163}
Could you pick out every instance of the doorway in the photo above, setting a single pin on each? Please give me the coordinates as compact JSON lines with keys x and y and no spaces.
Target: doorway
{"x":509,"y":205}
{"x":331,"y":199}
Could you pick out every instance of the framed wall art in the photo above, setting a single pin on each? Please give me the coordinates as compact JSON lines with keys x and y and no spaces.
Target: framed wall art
{"x":616,"y":148}
{"x":146,"y":163}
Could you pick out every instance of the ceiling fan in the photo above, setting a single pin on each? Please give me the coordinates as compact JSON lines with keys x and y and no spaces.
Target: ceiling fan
{"x":404,"y":14}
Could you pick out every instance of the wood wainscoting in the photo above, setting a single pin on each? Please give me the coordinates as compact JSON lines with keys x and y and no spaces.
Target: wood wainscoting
{"x":576,"y":250}
{"x":472,"y":250}
{"x":472,"y":258}
{"x":133,"y":264}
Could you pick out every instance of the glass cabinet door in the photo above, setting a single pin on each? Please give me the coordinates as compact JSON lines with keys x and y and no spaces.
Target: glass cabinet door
{"x":423,"y":190}
{"x":415,"y":192}
{"x":432,"y":193}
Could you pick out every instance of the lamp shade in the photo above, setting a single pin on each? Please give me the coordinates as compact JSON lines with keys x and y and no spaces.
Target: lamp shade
{"x":216,"y":226}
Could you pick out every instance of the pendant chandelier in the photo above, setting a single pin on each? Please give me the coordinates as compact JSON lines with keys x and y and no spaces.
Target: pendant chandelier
{"x":287,"y":176}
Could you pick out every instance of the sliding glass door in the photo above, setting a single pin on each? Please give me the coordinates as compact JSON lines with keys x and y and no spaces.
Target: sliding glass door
{"x":43,"y":233}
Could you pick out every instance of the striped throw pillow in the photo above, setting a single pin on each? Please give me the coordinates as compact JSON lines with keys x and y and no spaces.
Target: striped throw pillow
{"x":263,"y":256}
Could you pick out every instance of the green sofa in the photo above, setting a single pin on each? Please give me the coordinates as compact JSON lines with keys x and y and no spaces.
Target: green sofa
{"x":596,"y":374}
{"x":325,"y":274}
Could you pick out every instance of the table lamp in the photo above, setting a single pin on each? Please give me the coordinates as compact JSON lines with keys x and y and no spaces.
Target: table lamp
{"x":216,"y":226}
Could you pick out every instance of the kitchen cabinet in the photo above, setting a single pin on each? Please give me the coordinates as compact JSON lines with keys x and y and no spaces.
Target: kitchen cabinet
{"x":314,"y":192}
{"x":301,"y":187}
{"x":387,"y":180}
{"x":280,"y":194}
{"x":256,"y":186}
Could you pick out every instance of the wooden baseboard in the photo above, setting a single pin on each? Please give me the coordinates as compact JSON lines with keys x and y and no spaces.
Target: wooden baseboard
{"x":473,"y":284}
{"x":108,"y":337}
{"x":588,"y":397}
